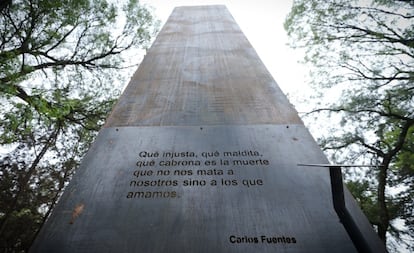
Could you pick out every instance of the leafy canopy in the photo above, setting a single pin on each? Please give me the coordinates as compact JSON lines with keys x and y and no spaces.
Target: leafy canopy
{"x":362,"y":59}
{"x":61,"y":67}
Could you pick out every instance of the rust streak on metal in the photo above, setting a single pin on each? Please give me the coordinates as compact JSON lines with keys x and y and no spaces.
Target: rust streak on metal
{"x":76,"y":212}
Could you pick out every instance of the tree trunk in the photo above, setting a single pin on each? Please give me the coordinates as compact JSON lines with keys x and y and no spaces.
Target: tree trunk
{"x":384,"y":219}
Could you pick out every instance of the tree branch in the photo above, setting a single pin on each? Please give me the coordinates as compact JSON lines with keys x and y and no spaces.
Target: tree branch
{"x":380,"y":113}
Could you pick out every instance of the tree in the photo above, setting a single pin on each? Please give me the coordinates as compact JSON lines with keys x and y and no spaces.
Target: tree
{"x":362,"y":53}
{"x":60,"y":63}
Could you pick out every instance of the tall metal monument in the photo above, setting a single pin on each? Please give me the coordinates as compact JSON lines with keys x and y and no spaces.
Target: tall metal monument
{"x":201,"y":154}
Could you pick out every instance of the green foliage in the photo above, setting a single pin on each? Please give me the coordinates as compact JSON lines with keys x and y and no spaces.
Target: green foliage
{"x":61,"y":65}
{"x":362,"y":55}
{"x":404,"y":161}
{"x":366,"y":197}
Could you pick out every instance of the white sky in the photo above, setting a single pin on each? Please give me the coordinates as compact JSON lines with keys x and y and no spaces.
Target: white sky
{"x":262,"y":23}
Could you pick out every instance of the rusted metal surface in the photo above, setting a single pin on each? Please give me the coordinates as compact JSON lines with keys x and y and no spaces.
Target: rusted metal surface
{"x":201,"y":70}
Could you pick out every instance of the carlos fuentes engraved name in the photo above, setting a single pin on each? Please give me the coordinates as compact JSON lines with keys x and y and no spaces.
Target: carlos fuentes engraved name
{"x":263,"y":239}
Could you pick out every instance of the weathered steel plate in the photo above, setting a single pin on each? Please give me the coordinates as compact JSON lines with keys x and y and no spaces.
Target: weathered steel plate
{"x":202,"y":70}
{"x":198,"y":189}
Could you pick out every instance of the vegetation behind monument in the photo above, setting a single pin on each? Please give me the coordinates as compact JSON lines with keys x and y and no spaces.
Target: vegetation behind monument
{"x":362,"y":53}
{"x":60,"y":62}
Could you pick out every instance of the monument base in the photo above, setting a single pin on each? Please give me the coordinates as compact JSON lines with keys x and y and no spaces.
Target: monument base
{"x":198,"y":189}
